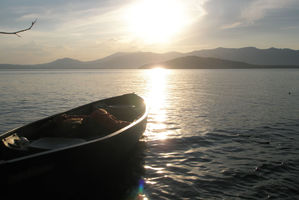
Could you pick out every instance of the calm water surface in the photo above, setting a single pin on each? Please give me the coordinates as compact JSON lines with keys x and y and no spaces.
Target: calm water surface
{"x":211,"y":134}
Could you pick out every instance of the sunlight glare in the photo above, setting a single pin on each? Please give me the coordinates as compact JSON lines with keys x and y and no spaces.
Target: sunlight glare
{"x":156,"y":21}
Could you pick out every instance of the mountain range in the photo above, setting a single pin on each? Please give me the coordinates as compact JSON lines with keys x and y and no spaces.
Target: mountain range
{"x":248,"y":57}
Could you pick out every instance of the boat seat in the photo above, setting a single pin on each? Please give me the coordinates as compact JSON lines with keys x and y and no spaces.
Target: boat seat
{"x":49,"y":143}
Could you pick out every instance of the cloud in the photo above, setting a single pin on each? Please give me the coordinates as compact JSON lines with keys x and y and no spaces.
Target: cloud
{"x":232,"y":14}
{"x":258,"y":9}
{"x":28,"y":17}
{"x":229,"y":26}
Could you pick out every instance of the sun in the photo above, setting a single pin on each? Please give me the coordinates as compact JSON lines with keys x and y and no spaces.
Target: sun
{"x":156,"y":21}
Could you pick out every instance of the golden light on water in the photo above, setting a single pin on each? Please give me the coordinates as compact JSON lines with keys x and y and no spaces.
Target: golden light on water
{"x":156,"y":99}
{"x":157,"y":82}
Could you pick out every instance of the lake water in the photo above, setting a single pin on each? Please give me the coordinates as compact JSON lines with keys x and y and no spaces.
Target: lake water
{"x":211,"y":134}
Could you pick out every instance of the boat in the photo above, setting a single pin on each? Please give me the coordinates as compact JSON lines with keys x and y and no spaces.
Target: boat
{"x":38,"y":148}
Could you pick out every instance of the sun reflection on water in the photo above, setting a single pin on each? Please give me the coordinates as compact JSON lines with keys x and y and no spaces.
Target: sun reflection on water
{"x":156,"y":86}
{"x":157,"y":128}
{"x":156,"y":99}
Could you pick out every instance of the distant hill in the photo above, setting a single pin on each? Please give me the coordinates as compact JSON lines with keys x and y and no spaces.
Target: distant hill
{"x":252,"y":55}
{"x":131,"y":60}
{"x":115,"y":61}
{"x":195,"y":62}
{"x":134,"y":60}
{"x":63,"y":63}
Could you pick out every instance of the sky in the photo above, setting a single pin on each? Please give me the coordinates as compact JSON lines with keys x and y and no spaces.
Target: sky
{"x":92,"y":29}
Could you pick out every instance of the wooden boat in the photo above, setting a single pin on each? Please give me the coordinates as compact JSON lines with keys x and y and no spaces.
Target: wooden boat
{"x":31,"y":149}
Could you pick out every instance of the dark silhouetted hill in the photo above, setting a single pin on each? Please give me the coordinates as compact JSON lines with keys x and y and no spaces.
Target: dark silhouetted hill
{"x":252,"y":55}
{"x":195,"y":62}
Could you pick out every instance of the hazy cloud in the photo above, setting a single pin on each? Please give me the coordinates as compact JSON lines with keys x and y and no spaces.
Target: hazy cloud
{"x":259,"y":8}
{"x":234,"y":13}
{"x":233,"y":25}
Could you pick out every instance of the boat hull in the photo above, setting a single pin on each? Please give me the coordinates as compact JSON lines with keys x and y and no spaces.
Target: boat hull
{"x":100,"y":154}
